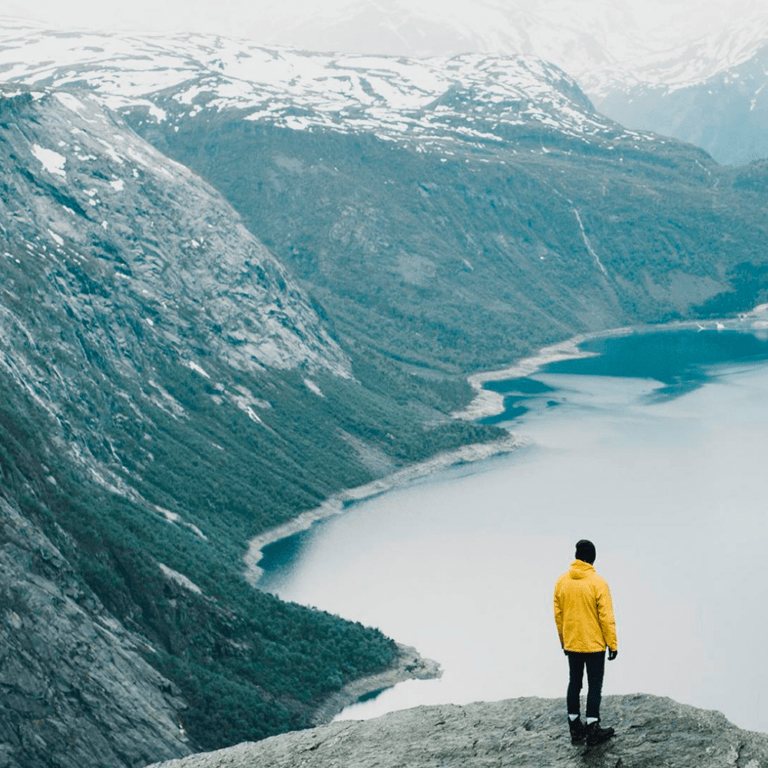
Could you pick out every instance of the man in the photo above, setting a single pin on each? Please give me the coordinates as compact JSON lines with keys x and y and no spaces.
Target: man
{"x":585,"y":624}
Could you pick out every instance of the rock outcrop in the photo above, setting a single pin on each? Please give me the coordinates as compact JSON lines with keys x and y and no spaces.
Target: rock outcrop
{"x":77,"y":690}
{"x":651,"y":732}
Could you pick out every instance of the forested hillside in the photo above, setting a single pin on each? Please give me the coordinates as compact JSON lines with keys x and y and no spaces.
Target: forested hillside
{"x":200,"y":348}
{"x":167,"y":393}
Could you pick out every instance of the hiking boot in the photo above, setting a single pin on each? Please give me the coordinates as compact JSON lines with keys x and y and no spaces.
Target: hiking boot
{"x":597,"y":735}
{"x":577,"y":731}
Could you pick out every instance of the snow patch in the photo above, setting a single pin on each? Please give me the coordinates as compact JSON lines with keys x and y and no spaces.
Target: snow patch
{"x":312,"y":387}
{"x":169,"y":404}
{"x":52,"y":161}
{"x":246,"y":402}
{"x":172,"y":517}
{"x":159,"y":114}
{"x":110,"y":151}
{"x":70,"y":101}
{"x":180,"y":578}
{"x":197,"y":368}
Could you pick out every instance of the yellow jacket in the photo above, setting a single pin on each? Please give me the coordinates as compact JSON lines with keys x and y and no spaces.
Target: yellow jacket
{"x":584,"y":611}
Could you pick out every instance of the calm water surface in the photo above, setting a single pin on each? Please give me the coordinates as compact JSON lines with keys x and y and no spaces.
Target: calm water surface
{"x":656,"y":450}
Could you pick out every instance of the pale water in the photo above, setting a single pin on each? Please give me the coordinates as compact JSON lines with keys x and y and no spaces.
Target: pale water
{"x":669,"y":481}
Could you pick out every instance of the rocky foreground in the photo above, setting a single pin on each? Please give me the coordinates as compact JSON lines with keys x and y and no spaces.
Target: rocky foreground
{"x":651,"y":732}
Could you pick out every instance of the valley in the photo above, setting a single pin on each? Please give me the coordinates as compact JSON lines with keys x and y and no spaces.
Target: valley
{"x":239,"y":281}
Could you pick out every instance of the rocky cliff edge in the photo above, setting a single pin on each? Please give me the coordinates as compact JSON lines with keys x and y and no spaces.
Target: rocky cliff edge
{"x":651,"y":732}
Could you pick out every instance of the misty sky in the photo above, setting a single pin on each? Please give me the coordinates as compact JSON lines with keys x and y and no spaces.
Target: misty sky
{"x":241,"y":18}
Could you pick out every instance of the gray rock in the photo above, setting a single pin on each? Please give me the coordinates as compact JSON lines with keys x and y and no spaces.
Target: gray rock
{"x":409,"y":666}
{"x":76,"y":690}
{"x":651,"y":732}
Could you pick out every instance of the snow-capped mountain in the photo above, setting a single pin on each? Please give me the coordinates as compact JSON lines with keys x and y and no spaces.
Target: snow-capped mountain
{"x":627,"y":57}
{"x":198,"y":349}
{"x":693,"y":61}
{"x":726,"y":114}
{"x":711,"y":92}
{"x":465,"y":98}
{"x":671,"y":68}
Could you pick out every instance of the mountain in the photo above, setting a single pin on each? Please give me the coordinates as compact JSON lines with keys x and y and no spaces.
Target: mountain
{"x":545,"y":218}
{"x":168,"y":391}
{"x":709,"y":92}
{"x":690,"y":71}
{"x":651,"y":732}
{"x":695,"y":73}
{"x":201,"y":348}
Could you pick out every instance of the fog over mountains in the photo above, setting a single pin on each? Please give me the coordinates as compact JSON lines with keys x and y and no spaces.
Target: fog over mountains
{"x":694,"y":71}
{"x":237,"y":279}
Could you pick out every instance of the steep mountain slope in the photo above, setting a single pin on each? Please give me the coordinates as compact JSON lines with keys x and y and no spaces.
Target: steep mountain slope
{"x":167,"y":392}
{"x":544,"y":217}
{"x":77,"y":687}
{"x":710,"y":92}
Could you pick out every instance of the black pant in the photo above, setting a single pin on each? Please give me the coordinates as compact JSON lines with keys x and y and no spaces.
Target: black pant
{"x":595,"y":664}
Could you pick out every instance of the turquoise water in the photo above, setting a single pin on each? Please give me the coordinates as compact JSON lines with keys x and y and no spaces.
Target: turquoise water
{"x":655,"y":451}
{"x":678,"y":360}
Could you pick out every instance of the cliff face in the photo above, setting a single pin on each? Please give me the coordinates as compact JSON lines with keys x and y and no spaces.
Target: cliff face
{"x":651,"y":732}
{"x":166,"y":392}
{"x":104,"y":704}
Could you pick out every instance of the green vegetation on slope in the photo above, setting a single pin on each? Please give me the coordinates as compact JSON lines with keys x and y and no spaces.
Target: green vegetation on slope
{"x":472,"y":257}
{"x":248,"y":664}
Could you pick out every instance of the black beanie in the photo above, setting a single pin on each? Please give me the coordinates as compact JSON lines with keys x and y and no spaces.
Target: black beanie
{"x":585,"y":550}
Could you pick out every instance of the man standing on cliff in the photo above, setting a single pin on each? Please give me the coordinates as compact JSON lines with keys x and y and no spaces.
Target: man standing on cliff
{"x":585,"y":624}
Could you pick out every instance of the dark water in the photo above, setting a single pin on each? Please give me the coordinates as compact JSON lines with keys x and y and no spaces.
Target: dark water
{"x":277,"y":556}
{"x":657,"y":452}
{"x":679,"y":360}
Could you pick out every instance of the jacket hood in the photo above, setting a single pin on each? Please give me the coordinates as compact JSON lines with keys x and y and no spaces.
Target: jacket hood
{"x":580,"y":569}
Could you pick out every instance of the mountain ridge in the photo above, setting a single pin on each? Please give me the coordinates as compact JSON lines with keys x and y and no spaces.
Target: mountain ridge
{"x":147,"y":430}
{"x":391,"y":97}
{"x":629,"y":59}
{"x":168,"y":391}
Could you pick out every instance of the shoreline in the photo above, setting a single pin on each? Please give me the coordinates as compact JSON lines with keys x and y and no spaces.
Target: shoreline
{"x":340,"y":502}
{"x":409,"y":665}
{"x":486,"y":403}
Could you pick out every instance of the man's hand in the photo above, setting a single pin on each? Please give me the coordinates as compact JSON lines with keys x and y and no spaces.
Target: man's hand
{"x":612,"y":654}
